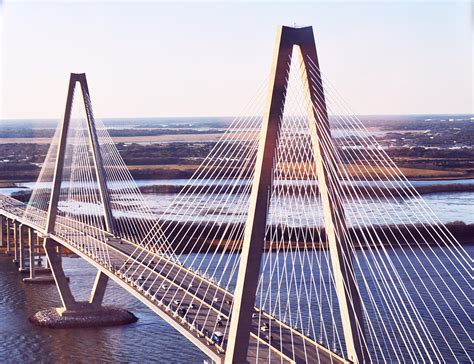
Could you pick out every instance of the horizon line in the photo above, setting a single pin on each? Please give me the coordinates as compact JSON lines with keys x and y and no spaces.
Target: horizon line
{"x":221,"y":116}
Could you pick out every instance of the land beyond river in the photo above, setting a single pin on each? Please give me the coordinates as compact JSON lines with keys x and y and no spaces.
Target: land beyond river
{"x":424,"y":147}
{"x":436,"y":152}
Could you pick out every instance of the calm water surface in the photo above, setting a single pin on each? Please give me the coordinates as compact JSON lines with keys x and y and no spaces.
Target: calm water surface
{"x":448,"y":206}
{"x":148,"y":340}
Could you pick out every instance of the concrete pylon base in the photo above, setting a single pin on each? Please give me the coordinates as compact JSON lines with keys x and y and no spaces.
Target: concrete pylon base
{"x":3,"y":250}
{"x":45,"y":279}
{"x":82,"y":317}
{"x":37,"y":270}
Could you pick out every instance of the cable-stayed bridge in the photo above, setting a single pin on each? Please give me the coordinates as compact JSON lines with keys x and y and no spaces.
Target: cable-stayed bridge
{"x":282,"y":246}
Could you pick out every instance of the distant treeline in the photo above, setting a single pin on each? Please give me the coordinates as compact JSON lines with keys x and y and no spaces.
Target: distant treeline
{"x":193,"y":238}
{"x":189,"y":237}
{"x":441,"y":154}
{"x":131,"y":132}
{"x":417,"y":122}
{"x":25,"y":195}
{"x":19,"y":171}
{"x":26,"y":133}
{"x":177,"y":153}
{"x":292,"y":190}
{"x":178,"y":160}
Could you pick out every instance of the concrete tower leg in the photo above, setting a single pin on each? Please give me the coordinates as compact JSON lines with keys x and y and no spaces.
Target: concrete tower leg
{"x":70,"y":305}
{"x":46,"y":263}
{"x":74,"y":313}
{"x":67,"y":299}
{"x":90,"y":313}
{"x":254,"y":235}
{"x":98,"y":290}
{"x":96,"y":156}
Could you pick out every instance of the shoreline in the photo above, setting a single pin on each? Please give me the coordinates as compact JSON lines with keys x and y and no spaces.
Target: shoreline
{"x":25,"y":193}
{"x":11,"y":184}
{"x":394,"y":236}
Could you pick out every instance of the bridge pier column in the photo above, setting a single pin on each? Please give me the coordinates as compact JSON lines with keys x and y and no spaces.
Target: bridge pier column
{"x":8,"y":252}
{"x":98,"y":290}
{"x":21,"y":251}
{"x":67,"y":299}
{"x":2,"y":230}
{"x":59,"y":250}
{"x":253,"y":244}
{"x":15,"y":240}
{"x":32,"y":253}
{"x":75,"y":313}
{"x":47,"y":263}
{"x":38,"y":252}
{"x":37,"y":274}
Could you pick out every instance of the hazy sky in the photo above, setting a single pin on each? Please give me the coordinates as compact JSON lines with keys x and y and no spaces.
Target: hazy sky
{"x":198,"y":59}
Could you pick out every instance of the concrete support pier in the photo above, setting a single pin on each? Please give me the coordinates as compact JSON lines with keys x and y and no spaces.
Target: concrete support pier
{"x":37,"y":273}
{"x":21,"y":248}
{"x":31,"y":246}
{"x":58,"y":318}
{"x":8,"y":237}
{"x":73,"y":313}
{"x":15,"y":240}
{"x":3,"y":235}
{"x":2,"y":231}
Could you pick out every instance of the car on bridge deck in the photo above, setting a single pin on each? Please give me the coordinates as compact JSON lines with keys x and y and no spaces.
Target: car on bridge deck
{"x":217,"y":337}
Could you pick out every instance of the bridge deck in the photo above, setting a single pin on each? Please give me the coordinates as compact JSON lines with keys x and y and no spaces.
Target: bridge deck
{"x":286,"y":344}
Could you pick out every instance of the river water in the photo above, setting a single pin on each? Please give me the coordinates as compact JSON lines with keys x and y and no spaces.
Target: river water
{"x":148,"y":340}
{"x":448,"y":206}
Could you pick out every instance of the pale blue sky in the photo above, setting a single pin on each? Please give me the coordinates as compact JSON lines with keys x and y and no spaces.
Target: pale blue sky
{"x":198,"y":59}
